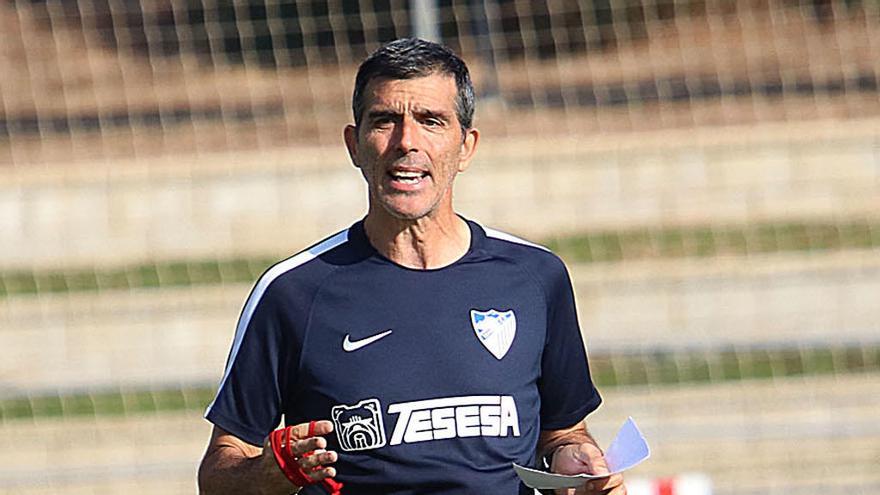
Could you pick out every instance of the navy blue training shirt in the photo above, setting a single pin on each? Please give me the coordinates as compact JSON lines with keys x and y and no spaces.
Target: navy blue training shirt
{"x":435,"y":380}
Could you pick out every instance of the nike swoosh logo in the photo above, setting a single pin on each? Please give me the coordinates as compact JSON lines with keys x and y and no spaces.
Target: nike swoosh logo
{"x":349,"y":345}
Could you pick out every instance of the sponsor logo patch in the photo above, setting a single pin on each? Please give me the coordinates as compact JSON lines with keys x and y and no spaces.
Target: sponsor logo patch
{"x":454,"y":417}
{"x":359,"y":427}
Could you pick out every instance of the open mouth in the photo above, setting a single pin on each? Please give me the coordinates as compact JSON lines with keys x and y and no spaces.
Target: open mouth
{"x":407,"y":177}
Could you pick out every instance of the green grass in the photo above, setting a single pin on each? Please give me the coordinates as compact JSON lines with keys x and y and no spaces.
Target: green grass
{"x":589,"y":247}
{"x":608,"y":370}
{"x":730,"y":365}
{"x":164,"y":274}
{"x":109,"y":403}
{"x":704,"y":241}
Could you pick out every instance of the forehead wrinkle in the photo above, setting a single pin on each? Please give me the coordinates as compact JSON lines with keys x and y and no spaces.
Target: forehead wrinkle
{"x":415,"y":110}
{"x":386,"y":95}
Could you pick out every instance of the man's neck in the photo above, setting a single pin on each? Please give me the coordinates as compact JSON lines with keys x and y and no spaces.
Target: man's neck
{"x":427,"y":243}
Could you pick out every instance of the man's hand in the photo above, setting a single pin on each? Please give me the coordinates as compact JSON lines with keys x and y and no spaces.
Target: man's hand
{"x":233,"y":466}
{"x":307,"y":448}
{"x":586,"y":458}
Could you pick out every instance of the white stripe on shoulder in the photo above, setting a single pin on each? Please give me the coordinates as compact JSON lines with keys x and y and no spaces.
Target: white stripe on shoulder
{"x":504,"y":236}
{"x":260,"y":288}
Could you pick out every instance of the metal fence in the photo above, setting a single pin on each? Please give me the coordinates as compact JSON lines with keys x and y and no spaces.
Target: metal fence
{"x":710,"y":171}
{"x":98,"y":79}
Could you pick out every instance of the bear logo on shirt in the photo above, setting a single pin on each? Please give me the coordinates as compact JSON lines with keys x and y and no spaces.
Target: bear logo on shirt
{"x":359,"y":427}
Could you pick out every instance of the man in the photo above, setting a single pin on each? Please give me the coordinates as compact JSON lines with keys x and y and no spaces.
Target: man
{"x":415,"y":352}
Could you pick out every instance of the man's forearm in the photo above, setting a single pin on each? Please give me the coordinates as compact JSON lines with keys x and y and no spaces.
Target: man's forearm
{"x":550,"y":440}
{"x":227,"y":470}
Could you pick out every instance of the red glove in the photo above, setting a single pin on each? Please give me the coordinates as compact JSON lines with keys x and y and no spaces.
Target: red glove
{"x":281,"y":441}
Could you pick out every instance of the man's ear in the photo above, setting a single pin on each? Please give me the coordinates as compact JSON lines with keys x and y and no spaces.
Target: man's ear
{"x":349,"y":135}
{"x":468,"y":148}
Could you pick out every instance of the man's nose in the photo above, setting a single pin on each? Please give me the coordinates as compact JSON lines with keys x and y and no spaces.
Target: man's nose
{"x":407,"y":134}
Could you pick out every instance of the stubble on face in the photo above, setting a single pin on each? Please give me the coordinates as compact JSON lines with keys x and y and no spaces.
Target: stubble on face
{"x":409,"y":146}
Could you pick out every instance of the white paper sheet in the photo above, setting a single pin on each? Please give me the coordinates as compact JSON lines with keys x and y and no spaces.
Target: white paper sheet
{"x":626,"y":450}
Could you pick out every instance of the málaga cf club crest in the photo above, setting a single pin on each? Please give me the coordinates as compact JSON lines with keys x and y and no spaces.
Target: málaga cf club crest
{"x":495,"y":329}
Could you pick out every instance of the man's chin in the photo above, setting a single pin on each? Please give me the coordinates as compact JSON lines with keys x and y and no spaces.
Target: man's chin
{"x":406,"y":214}
{"x":407,"y":208}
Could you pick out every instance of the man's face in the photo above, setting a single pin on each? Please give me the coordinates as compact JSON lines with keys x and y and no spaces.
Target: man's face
{"x":409,"y":145}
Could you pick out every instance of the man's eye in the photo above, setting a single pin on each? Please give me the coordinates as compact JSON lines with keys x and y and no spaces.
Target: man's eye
{"x":431,"y":122}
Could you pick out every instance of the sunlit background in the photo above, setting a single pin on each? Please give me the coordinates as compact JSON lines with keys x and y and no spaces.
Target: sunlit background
{"x":709,"y":169}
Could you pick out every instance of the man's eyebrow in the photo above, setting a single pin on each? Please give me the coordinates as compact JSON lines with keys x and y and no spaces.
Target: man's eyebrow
{"x":385,"y":113}
{"x":374,"y":114}
{"x":437,"y":114}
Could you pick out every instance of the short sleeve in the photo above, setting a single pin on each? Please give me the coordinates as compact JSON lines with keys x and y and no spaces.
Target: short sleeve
{"x":249,"y":401}
{"x":566,"y":388}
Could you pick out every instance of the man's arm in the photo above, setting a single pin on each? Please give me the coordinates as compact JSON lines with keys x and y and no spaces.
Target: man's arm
{"x":233,"y":466}
{"x":575,"y":451}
